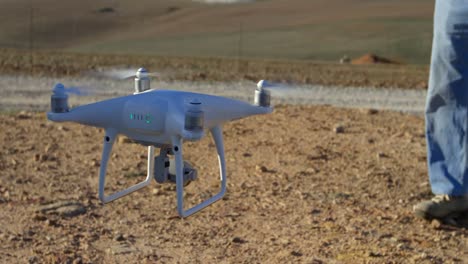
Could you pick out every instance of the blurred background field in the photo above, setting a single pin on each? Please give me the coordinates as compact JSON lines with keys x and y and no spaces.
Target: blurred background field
{"x":319,"y":30}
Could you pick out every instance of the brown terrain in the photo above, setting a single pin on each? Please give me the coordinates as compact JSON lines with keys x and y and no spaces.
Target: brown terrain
{"x":371,"y":71}
{"x":294,"y":29}
{"x":309,"y":185}
{"x":372,"y":59}
{"x":306,"y":184}
{"x":59,"y":24}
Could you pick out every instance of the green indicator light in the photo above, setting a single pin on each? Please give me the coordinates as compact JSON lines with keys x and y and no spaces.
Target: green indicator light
{"x":131,"y":116}
{"x":148,"y":119}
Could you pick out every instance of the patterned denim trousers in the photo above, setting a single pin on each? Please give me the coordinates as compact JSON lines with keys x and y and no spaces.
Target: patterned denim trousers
{"x":447,"y":100}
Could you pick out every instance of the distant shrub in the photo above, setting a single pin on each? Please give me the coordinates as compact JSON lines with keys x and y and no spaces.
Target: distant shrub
{"x":172,"y":9}
{"x":106,"y":10}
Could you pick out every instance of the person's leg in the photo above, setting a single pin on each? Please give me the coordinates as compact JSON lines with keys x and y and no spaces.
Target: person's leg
{"x":447,"y":112}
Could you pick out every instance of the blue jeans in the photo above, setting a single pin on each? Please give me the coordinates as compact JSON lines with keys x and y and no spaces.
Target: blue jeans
{"x":447,"y":100}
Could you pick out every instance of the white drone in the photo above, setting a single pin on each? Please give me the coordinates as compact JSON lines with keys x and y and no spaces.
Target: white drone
{"x":162,"y":119}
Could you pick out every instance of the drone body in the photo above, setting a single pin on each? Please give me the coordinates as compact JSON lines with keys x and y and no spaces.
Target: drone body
{"x":162,"y":119}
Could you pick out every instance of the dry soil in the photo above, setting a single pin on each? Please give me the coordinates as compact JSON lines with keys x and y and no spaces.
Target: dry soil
{"x":306,"y":184}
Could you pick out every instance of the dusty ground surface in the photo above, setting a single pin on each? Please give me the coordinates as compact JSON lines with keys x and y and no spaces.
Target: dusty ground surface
{"x":310,"y":185}
{"x":60,"y":64}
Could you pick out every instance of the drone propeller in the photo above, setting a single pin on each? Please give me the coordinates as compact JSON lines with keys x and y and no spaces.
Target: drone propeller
{"x":59,"y":98}
{"x":124,"y":74}
{"x":266,"y":90}
{"x":278,"y":89}
{"x":60,"y":89}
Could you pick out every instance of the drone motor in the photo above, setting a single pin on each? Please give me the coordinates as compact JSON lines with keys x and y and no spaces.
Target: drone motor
{"x":262,"y":95}
{"x":142,"y":81}
{"x":194,"y":119}
{"x":59,"y":99}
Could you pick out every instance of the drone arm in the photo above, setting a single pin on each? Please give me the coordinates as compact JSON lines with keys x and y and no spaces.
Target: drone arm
{"x":217,"y":134}
{"x":109,"y":140}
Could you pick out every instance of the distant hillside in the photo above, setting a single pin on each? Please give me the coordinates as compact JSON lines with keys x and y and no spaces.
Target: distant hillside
{"x":293,"y":29}
{"x":224,"y":1}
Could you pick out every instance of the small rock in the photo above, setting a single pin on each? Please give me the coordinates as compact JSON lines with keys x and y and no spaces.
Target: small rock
{"x":63,"y":208}
{"x":345,"y":59}
{"x":315,"y":211}
{"x":24,"y":115}
{"x":51,"y":147}
{"x":77,"y":260}
{"x":106,"y":10}
{"x":372,"y":111}
{"x":13,"y":238}
{"x":262,"y":168}
{"x":71,"y":210}
{"x":317,"y":261}
{"x":119,"y":237}
{"x":296,"y":254}
{"x":52,"y":206}
{"x":402,"y":246}
{"x":121,"y":249}
{"x":141,"y":164}
{"x":95,"y":163}
{"x":338,"y":129}
{"x":201,"y":75}
{"x":124,"y":140}
{"x":39,"y":217}
{"x":43,"y":157}
{"x":157,"y":191}
{"x":238,"y":240}
{"x":103,"y":232}
{"x":33,"y":259}
{"x":63,"y":128}
{"x":374,"y":254}
{"x":436,"y":224}
{"x":381,"y":155}
{"x":50,"y":222}
{"x":26,"y":239}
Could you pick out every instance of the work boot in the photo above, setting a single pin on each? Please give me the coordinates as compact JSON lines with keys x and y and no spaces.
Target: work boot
{"x":441,"y":206}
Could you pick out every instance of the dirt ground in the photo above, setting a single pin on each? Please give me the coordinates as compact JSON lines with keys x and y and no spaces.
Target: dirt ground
{"x":48,"y":63}
{"x":308,"y":185}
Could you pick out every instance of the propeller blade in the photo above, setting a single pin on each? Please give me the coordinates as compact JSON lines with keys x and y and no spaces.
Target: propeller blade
{"x":123,"y":73}
{"x":80,"y":91}
{"x":276,"y":88}
{"x":60,"y":89}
